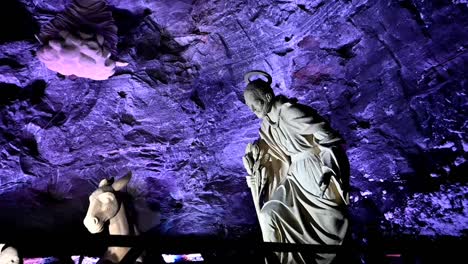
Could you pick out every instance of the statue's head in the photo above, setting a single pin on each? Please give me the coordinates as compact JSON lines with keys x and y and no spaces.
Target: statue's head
{"x":104,"y":204}
{"x":258,"y":94}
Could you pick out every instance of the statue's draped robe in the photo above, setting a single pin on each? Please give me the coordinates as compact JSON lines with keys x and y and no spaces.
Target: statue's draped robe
{"x":303,"y":147}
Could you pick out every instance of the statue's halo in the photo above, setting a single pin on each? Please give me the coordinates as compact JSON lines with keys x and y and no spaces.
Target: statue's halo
{"x":248,"y":75}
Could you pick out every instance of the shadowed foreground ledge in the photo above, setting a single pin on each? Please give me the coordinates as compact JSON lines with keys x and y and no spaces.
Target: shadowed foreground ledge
{"x":407,"y":249}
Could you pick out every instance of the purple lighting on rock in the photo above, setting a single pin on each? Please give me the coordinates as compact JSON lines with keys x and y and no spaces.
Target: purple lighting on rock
{"x":390,"y":77}
{"x":194,"y":257}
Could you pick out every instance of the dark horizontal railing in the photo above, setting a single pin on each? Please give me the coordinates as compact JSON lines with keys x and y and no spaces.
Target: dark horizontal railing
{"x":94,"y":245}
{"x":167,"y":244}
{"x":42,"y":245}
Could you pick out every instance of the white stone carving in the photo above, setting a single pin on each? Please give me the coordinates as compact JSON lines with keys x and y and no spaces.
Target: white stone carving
{"x":298,"y":173}
{"x":105,"y":206}
{"x":8,"y":255}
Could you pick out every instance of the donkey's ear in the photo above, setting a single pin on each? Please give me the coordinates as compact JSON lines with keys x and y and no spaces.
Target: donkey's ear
{"x":122,"y":182}
{"x":103,"y":182}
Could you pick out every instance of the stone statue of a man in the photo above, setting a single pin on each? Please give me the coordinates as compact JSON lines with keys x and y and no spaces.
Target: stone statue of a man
{"x":298,"y":173}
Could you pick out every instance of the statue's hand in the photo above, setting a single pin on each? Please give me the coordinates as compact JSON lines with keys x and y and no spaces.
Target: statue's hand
{"x":254,"y":161}
{"x":250,"y":181}
{"x":260,"y":168}
{"x":254,"y":171}
{"x":248,"y":164}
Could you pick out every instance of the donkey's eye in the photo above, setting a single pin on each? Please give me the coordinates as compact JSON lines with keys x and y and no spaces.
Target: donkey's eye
{"x":106,"y":198}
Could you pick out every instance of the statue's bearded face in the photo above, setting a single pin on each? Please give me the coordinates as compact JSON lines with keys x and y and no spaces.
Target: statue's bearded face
{"x":259,"y":105}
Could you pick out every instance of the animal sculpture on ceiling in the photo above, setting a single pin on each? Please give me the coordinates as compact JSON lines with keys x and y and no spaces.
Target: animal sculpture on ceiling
{"x":81,"y":41}
{"x":108,"y":205}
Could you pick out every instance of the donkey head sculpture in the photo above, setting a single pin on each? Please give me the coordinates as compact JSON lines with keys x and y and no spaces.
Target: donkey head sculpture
{"x":106,"y":205}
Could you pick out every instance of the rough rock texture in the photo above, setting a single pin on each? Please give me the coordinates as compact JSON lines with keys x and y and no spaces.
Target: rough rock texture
{"x":389,"y":75}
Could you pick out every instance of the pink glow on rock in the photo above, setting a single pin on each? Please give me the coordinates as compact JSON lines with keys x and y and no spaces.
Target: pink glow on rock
{"x":84,"y":56}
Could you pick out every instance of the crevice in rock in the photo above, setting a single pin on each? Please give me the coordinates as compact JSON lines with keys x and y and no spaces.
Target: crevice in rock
{"x":17,"y":23}
{"x":358,"y":11}
{"x":13,"y":64}
{"x":29,"y":143}
{"x":314,"y":5}
{"x":195,"y":97}
{"x":10,"y":92}
{"x":148,"y":42}
{"x":122,"y":94}
{"x":226,"y":47}
{"x":434,"y":72}
{"x":45,"y":121}
{"x":32,"y":92}
{"x":375,"y":35}
{"x":283,"y":52}
{"x":243,"y":30}
{"x":345,"y":51}
{"x":157,"y":76}
{"x":128,"y":119}
{"x":269,"y":64}
{"x":256,"y":14}
{"x":409,"y":5}
{"x":126,"y":21}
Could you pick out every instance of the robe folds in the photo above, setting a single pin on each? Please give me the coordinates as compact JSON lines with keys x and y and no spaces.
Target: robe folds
{"x":294,"y":209}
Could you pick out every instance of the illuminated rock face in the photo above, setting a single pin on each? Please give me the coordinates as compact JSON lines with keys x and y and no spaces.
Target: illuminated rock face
{"x":390,"y":77}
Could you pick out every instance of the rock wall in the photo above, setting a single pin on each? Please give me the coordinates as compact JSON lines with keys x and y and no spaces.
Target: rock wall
{"x":389,"y":75}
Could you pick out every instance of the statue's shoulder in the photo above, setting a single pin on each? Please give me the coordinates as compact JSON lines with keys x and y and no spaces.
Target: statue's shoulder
{"x":290,"y":107}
